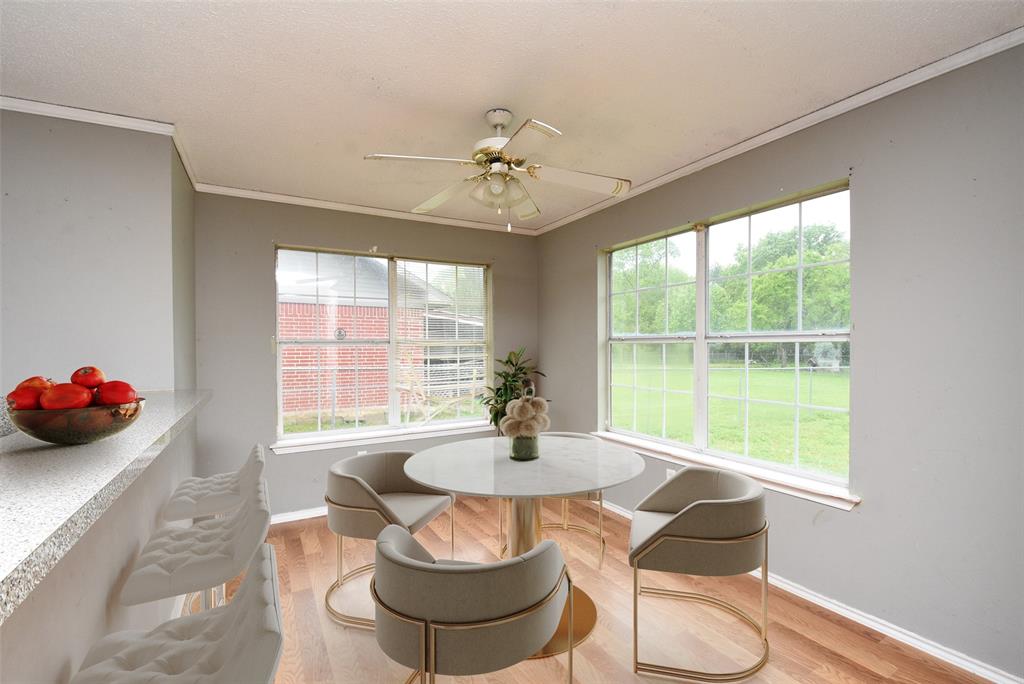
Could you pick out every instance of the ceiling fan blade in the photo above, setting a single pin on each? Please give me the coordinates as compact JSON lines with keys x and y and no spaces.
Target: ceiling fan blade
{"x":606,"y":185}
{"x":443,"y":196}
{"x":530,"y":138}
{"x":525,"y":208}
{"x":406,"y":157}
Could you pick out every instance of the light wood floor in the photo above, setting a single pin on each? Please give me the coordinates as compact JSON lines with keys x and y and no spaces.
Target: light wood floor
{"x":808,"y":643}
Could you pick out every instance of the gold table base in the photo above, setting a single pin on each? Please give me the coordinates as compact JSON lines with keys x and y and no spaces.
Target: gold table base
{"x":584,"y":619}
{"x":524,"y":534}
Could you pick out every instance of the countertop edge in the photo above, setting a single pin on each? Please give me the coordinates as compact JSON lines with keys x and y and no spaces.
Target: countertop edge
{"x":33,"y":569}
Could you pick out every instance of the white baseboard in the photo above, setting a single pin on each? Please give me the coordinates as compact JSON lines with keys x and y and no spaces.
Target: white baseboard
{"x":304,"y":514}
{"x":949,"y":655}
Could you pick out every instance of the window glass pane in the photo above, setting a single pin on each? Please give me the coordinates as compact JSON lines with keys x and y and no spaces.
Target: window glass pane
{"x":622,"y":407}
{"x":727,"y":247}
{"x":441,"y":283}
{"x":825,"y":374}
{"x":725,"y":425}
{"x":682,"y":257}
{"x":624,"y":314}
{"x":649,"y":366}
{"x":772,"y":371}
{"x":650,"y":264}
{"x":622,"y":364}
{"x":825,"y":441}
{"x":682,"y":308}
{"x":650,"y":407}
{"x":373,"y":405}
{"x":624,"y":269}
{"x":826,"y":222}
{"x":679,"y":417}
{"x":300,"y":381}
{"x":773,"y":301}
{"x":471,"y":302}
{"x":411,"y":298}
{"x":679,"y":366}
{"x":772,"y":432}
{"x":773,"y":238}
{"x":727,"y":302}
{"x":726,"y":370}
{"x":826,"y":300}
{"x":652,"y":312}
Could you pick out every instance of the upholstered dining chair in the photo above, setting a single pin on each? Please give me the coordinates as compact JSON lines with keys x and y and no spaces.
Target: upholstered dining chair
{"x":597,"y":497}
{"x":463,"y":618}
{"x":365,"y":494}
{"x":702,"y":521}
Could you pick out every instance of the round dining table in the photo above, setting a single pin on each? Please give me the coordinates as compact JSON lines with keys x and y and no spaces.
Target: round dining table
{"x":566,"y":466}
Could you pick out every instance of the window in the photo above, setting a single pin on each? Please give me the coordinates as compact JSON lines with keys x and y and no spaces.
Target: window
{"x":368,"y":342}
{"x":734,"y":340}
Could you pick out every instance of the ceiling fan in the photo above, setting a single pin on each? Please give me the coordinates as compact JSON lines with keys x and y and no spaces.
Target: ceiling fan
{"x":496,"y":185}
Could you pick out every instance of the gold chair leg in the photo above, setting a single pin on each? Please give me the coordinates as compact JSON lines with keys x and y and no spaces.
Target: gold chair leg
{"x":343,"y":577}
{"x":600,"y":528}
{"x":565,"y":514}
{"x":564,"y":524}
{"x":452,"y":516}
{"x":572,"y":633}
{"x":698,"y":675}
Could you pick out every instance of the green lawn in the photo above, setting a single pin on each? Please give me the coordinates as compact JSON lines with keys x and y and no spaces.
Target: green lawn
{"x":824,"y":435}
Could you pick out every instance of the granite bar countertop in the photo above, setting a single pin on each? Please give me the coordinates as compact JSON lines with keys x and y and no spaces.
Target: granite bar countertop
{"x":50,"y":494}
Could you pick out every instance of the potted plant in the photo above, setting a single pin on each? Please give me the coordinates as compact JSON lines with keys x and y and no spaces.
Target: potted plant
{"x":511,"y":382}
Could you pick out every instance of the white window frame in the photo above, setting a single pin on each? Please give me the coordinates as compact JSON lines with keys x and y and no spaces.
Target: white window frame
{"x":702,"y":338}
{"x":394,"y":429}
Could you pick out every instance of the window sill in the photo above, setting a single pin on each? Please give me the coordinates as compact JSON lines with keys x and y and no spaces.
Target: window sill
{"x":836,"y":496}
{"x":300,"y":444}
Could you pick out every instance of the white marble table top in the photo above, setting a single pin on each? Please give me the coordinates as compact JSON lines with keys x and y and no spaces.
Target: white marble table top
{"x":482,"y":467}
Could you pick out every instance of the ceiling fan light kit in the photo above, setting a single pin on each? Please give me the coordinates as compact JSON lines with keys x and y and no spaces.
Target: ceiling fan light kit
{"x":497,"y":186}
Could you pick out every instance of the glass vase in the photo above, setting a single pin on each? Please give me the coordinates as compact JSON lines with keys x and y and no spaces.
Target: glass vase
{"x":525,"y":449}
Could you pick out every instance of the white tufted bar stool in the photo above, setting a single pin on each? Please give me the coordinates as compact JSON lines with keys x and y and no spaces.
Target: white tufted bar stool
{"x":239,"y":642}
{"x":179,"y":560}
{"x":199,"y":497}
{"x":703,"y":521}
{"x":365,"y":494}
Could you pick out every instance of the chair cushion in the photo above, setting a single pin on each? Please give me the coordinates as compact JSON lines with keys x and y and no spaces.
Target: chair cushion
{"x":644,"y":525}
{"x":416,"y":510}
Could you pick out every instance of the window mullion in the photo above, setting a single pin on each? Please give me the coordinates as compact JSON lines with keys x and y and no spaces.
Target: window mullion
{"x":700,"y":347}
{"x":394,"y":401}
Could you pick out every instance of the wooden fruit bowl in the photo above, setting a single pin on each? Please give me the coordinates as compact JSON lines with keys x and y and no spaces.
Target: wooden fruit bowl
{"x":77,"y":426}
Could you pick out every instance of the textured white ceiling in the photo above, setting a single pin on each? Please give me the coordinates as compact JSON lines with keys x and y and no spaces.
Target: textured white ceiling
{"x":288,"y":97}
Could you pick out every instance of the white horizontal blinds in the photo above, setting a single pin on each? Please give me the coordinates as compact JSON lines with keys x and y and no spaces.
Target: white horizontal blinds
{"x":653,"y":318}
{"x":442,"y":341}
{"x":776,"y":342}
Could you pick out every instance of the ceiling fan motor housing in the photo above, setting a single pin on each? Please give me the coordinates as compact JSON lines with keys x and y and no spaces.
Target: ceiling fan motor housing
{"x":488,"y":150}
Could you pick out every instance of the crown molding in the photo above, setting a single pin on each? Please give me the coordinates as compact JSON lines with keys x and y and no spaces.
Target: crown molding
{"x":17,"y":104}
{"x":977,"y":52}
{"x":352,"y":208}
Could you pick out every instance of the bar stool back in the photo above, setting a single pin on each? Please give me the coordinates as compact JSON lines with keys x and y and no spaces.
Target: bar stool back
{"x":198,"y":497}
{"x":179,"y":560}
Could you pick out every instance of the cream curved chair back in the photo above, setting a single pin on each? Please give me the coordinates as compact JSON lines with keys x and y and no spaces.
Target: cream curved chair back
{"x":460,"y":618}
{"x":571,"y":435}
{"x":705,"y":503}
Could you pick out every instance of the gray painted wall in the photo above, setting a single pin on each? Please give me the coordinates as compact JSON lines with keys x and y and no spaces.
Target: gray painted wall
{"x":235,"y":318}
{"x":87,"y":275}
{"x":937,"y":545}
{"x":183,"y":270}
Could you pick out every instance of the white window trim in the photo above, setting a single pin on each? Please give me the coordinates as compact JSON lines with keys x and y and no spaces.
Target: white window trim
{"x":834,"y":495}
{"x":318,"y":441}
{"x":308,"y":441}
{"x":806,"y":484}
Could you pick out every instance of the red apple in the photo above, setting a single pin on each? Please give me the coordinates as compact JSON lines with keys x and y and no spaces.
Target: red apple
{"x":66,"y":395}
{"x":37,"y":381}
{"x":115,"y":392}
{"x":24,"y":398}
{"x":88,"y":376}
